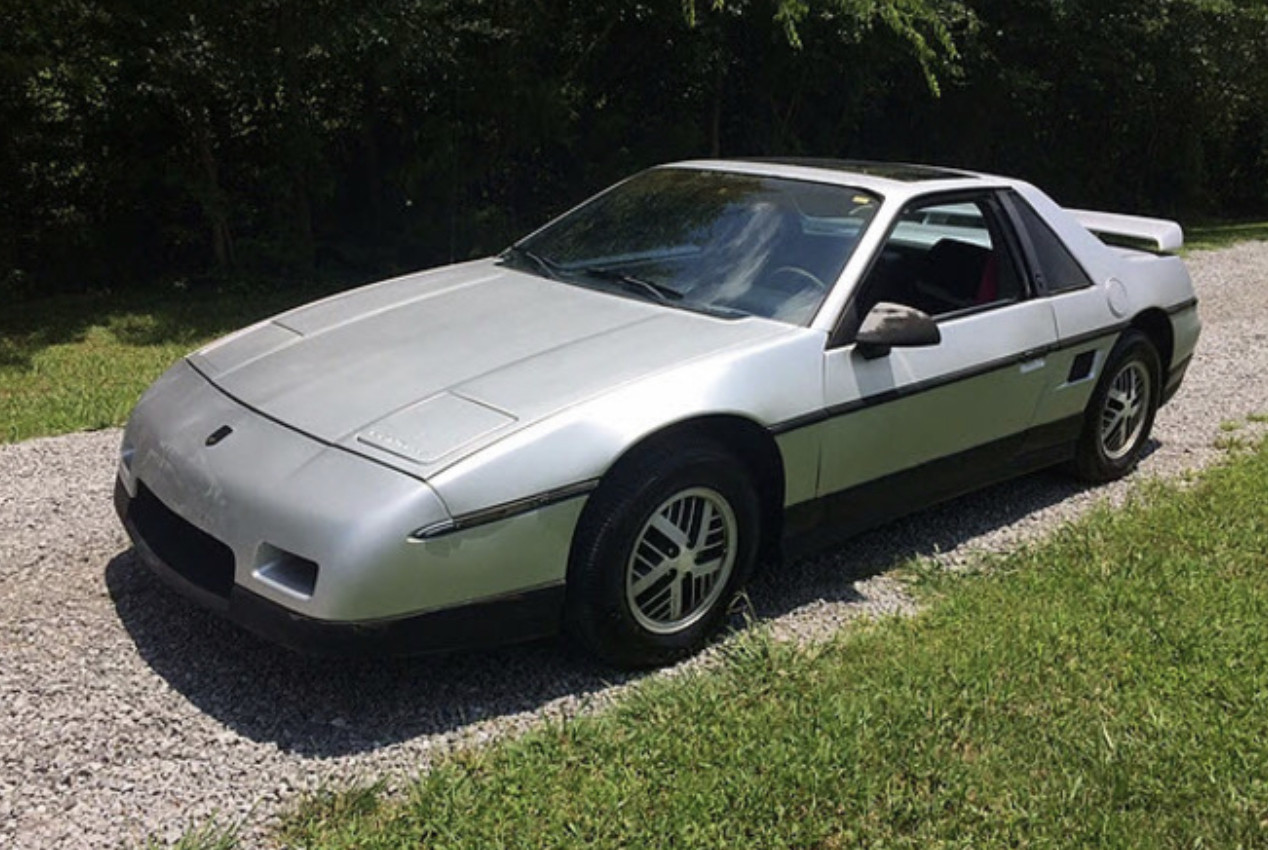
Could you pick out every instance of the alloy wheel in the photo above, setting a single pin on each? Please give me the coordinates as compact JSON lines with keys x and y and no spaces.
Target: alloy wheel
{"x":1125,"y":410}
{"x":681,"y":560}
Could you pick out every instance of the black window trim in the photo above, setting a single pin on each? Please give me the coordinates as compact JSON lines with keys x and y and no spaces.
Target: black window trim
{"x":847,"y":323}
{"x":1011,"y":200}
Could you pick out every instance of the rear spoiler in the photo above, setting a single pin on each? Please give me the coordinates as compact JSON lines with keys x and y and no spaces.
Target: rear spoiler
{"x":1165,"y":235}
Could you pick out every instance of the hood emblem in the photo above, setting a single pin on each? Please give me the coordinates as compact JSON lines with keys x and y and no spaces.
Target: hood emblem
{"x":219,"y":434}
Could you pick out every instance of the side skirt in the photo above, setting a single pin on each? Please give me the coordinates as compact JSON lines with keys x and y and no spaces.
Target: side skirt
{"x":819,"y":523}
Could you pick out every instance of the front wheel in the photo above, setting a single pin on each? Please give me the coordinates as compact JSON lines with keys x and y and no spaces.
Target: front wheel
{"x":660,"y":551}
{"x":1121,"y":412}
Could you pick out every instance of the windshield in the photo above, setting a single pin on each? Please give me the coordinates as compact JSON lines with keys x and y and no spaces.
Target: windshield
{"x":729,"y":244}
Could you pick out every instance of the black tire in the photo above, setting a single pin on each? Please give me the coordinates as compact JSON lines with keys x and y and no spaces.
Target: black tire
{"x":1107,"y":455}
{"x":605,"y":611}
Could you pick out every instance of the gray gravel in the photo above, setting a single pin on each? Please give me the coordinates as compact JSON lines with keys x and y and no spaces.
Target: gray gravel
{"x":125,"y":712}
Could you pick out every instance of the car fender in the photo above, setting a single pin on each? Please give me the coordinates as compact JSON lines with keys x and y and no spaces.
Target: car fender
{"x":769,"y":383}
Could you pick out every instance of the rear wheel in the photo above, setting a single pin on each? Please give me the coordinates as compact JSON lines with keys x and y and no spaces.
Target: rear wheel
{"x":660,"y":551}
{"x":1121,"y":412}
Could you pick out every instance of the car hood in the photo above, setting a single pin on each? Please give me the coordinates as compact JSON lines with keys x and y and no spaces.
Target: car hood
{"x":421,"y":370}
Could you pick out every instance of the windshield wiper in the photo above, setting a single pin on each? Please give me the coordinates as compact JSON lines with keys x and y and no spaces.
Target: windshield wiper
{"x":659,"y":290}
{"x":545,"y":266}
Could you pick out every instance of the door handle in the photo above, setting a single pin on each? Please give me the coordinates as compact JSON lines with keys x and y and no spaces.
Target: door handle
{"x":1028,"y":366}
{"x":1032,"y":359}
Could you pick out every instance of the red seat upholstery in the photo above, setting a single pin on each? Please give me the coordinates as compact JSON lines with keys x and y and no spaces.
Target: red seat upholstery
{"x":988,"y":288}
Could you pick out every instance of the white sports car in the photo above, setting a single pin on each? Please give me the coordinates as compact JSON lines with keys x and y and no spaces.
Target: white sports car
{"x":605,"y":428}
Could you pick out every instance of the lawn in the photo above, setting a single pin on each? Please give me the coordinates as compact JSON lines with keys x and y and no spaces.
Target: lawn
{"x":80,"y":362}
{"x":1108,"y":687}
{"x":1212,"y":237}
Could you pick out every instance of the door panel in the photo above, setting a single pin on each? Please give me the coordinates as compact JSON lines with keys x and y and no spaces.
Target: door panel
{"x":982,"y":383}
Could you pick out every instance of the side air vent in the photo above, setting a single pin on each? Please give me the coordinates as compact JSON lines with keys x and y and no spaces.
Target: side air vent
{"x":1082,"y":366}
{"x":287,"y":571}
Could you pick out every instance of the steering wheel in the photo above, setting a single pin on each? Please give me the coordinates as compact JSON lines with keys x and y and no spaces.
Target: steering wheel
{"x":800,"y":274}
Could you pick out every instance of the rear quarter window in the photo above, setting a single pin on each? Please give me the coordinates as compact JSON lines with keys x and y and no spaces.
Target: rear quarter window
{"x":1058,"y":270}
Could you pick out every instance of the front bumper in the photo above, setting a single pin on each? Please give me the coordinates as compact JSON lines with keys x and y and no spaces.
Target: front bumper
{"x":196,"y":570}
{"x":296,"y":539}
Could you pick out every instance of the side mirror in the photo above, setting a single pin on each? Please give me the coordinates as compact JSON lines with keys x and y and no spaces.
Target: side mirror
{"x":887,"y":325}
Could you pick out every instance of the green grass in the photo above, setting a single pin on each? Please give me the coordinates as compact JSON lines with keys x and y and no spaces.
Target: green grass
{"x":213,"y":835}
{"x":1106,"y":688}
{"x":1211,"y":237}
{"x":80,"y":362}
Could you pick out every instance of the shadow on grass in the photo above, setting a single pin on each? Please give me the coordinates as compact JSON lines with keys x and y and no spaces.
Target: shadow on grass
{"x":334,"y":707}
{"x":165,"y":317}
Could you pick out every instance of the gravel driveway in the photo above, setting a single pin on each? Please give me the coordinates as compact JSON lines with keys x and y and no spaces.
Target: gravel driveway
{"x":126,"y":712}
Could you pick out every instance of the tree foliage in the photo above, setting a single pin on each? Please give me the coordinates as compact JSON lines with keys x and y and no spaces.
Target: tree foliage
{"x":147,"y":139}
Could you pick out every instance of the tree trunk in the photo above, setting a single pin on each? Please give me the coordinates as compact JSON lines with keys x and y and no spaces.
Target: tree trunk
{"x":214,"y":203}
{"x":370,"y":153}
{"x":715,"y":128}
{"x":303,"y":223}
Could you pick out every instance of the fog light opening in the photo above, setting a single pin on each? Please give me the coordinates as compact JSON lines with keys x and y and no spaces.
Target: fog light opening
{"x":287,"y":572}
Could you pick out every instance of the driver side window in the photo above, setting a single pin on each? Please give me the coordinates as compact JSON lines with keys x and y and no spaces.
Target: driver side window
{"x":944,"y":258}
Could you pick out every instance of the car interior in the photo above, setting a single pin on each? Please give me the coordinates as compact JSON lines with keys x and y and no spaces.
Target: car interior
{"x":943,"y":260}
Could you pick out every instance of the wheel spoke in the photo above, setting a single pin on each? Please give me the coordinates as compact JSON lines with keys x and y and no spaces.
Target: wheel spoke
{"x":1116,"y":434}
{"x":708,"y":568}
{"x":649,"y":578}
{"x":669,"y":529}
{"x":702,"y":528}
{"x":675,"y":596}
{"x":659,"y":607}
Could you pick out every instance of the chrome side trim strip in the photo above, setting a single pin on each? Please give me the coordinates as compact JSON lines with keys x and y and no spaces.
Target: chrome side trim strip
{"x":1074,"y":341}
{"x":1182,"y":306}
{"x":506,"y":510}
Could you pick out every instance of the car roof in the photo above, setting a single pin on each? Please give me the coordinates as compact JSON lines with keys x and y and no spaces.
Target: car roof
{"x":888,"y":179}
{"x":902,"y":171}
